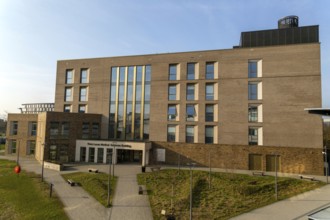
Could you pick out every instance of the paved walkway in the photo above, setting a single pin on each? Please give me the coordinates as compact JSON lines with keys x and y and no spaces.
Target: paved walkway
{"x":79,"y":205}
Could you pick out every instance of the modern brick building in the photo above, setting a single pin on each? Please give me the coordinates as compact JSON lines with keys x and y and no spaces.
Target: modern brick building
{"x":234,"y":108}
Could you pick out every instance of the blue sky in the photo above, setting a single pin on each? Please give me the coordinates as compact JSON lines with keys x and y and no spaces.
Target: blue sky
{"x":34,"y":34}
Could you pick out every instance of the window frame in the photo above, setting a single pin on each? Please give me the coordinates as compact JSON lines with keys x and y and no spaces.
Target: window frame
{"x":172,"y":96}
{"x":69,"y":80}
{"x":209,"y":96}
{"x":190,"y":94}
{"x":82,"y":78}
{"x":191,"y":71}
{"x":209,"y":75}
{"x":171,"y":75}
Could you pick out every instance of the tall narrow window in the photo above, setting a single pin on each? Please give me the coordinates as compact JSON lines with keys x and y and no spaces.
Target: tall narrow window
{"x":209,"y":71}
{"x":191,"y":71}
{"x":173,"y":72}
{"x":14,"y":128}
{"x":190,"y":91}
{"x":209,"y":134}
{"x":172,"y":92}
{"x":190,"y":112}
{"x":253,"y":91}
{"x":33,"y":128}
{"x":13,"y":146}
{"x":69,"y":77}
{"x":83,"y":94}
{"x":171,"y":130}
{"x":209,"y":91}
{"x":253,"y":69}
{"x":209,"y":113}
{"x":95,"y":130}
{"x":68,"y":94}
{"x":65,"y":129}
{"x":85,"y":130}
{"x":253,"y":136}
{"x":253,"y":113}
{"x":84,"y":76}
{"x":31,"y":147}
{"x":172,"y":112}
{"x":54,"y":129}
{"x":190,"y":133}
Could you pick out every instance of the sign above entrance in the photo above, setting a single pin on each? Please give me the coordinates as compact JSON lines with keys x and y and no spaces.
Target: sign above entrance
{"x":113,"y":144}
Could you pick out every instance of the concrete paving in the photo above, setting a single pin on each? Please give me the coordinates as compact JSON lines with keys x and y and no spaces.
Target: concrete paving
{"x":79,"y":205}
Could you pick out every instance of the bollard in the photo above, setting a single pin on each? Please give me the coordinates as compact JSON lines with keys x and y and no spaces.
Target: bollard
{"x":51,"y":190}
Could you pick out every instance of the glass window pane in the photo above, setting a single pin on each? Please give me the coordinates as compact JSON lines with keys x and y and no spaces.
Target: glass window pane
{"x":173,"y":72}
{"x":190,"y":134}
{"x":171,"y":133}
{"x":253,"y":69}
{"x":190,"y":92}
{"x":114,"y":75}
{"x":209,"y":71}
{"x":172,"y":92}
{"x":69,"y":77}
{"x":191,"y":71}
{"x":209,"y":113}
{"x":253,"y":91}
{"x":148,"y":73}
{"x":209,"y":133}
{"x":84,"y":76}
{"x":209,"y":90}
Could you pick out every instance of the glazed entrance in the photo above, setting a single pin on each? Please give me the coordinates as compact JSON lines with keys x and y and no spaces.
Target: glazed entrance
{"x":129,"y":156}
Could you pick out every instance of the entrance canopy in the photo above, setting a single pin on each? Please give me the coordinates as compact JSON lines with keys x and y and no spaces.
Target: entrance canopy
{"x":318,"y":111}
{"x":97,"y":150}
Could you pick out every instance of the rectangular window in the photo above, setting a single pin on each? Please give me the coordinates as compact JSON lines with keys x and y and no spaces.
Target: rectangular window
{"x":85,"y":130}
{"x":171,"y":130}
{"x":209,"y":71}
{"x":65,"y":128}
{"x":253,"y":91}
{"x":68,"y":94}
{"x":190,"y":91}
{"x":33,"y":128}
{"x":190,"y":133}
{"x":69,"y":77}
{"x":253,"y":136}
{"x":253,"y":69}
{"x":83,"y":94}
{"x":172,"y":72}
{"x":172,"y":92}
{"x":95,"y":130}
{"x":54,"y":129}
{"x":84,"y":76}
{"x":171,"y":112}
{"x":209,"y":134}
{"x":253,"y":113}
{"x":82,"y":109}
{"x":190,"y":112}
{"x":32,"y":147}
{"x":14,"y":128}
{"x":13,"y":146}
{"x":209,"y":91}
{"x":209,"y":112}
{"x":191,"y":71}
{"x":67,"y":108}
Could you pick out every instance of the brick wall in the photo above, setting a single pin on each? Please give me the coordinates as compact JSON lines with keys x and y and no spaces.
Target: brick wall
{"x":292,"y":159}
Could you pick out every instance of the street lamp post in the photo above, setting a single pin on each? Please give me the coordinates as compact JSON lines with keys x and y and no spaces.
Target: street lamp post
{"x":276,"y":190}
{"x":191,"y":195}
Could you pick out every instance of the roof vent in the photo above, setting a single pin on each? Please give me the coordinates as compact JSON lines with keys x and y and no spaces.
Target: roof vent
{"x":288,"y":22}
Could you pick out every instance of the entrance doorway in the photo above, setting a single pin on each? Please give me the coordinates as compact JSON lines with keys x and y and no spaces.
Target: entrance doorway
{"x":129,"y":156}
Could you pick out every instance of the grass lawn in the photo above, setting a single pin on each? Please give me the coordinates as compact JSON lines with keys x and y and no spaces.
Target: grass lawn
{"x":95,"y":184}
{"x":230,"y":194}
{"x":24,"y":196}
